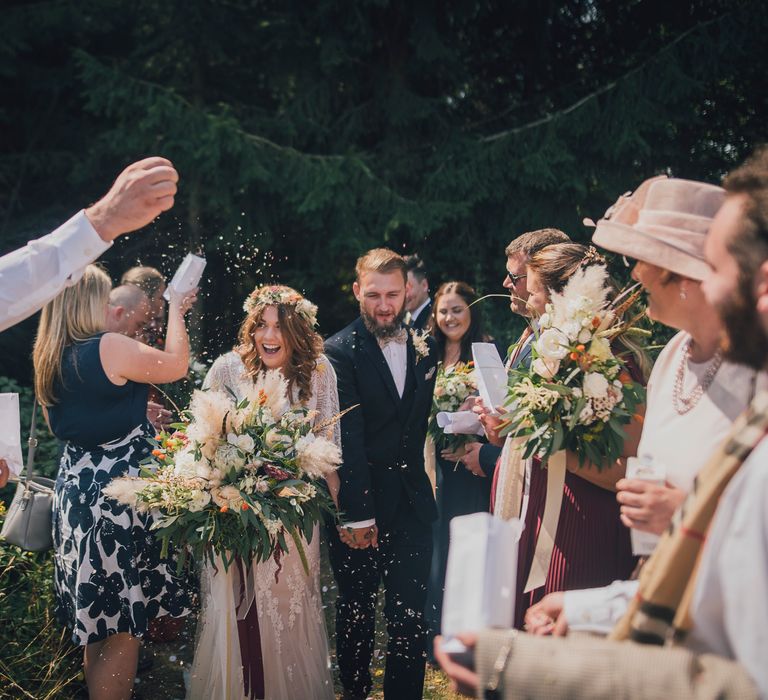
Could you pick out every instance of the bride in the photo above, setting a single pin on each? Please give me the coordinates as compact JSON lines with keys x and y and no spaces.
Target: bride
{"x":283,"y":645}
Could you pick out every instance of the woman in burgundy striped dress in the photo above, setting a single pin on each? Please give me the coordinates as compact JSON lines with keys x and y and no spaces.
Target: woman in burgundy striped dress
{"x":591,"y":548}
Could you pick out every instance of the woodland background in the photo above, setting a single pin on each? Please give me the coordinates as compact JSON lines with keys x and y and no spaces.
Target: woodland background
{"x":307,"y":132}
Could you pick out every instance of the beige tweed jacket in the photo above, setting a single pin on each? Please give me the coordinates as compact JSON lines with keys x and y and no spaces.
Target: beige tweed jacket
{"x":594,"y":668}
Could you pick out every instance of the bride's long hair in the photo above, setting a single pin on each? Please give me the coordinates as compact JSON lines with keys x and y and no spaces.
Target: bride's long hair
{"x":305,"y":345}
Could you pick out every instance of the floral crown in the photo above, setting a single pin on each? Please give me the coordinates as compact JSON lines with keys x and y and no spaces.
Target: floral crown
{"x":276,"y":295}
{"x":592,"y":257}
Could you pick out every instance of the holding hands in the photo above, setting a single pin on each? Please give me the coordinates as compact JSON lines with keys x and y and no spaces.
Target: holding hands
{"x":359,"y":537}
{"x":648,"y":506}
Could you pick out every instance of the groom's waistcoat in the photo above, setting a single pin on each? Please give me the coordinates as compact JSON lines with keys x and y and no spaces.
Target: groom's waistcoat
{"x":383,"y":438}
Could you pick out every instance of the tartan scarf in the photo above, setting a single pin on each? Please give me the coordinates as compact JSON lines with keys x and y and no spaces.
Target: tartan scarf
{"x":660,"y":612}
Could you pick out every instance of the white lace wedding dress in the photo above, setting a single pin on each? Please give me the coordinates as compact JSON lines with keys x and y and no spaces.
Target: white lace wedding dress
{"x":294,"y":642}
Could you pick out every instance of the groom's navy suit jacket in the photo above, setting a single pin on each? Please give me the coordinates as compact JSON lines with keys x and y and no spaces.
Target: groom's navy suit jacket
{"x":383,"y":438}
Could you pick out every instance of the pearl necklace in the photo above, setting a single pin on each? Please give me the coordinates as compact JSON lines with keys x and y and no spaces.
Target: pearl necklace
{"x":683,"y":404}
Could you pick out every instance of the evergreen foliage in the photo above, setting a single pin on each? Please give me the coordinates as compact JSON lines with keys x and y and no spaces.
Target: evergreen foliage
{"x":308,"y":132}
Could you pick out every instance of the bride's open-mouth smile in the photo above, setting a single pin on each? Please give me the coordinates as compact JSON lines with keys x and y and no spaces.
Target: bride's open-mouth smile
{"x":269,"y":340}
{"x":272,"y":354}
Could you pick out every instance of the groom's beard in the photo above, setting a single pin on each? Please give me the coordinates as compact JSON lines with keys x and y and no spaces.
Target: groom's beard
{"x":382,"y":331}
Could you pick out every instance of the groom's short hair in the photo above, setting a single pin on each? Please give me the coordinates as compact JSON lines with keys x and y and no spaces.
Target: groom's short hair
{"x":533,"y":241}
{"x":381,"y":260}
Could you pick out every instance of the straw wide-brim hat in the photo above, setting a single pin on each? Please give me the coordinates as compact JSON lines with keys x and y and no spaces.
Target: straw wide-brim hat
{"x":664,"y":223}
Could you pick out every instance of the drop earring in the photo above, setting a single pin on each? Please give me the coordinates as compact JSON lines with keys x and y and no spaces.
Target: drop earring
{"x":683,"y":293}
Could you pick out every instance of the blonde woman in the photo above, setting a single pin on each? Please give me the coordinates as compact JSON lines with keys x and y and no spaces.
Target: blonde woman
{"x":110,"y":577}
{"x":279,"y":608}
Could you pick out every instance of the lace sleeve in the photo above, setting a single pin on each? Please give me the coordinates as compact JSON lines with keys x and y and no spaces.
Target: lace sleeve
{"x":224,"y":372}
{"x":324,"y":389}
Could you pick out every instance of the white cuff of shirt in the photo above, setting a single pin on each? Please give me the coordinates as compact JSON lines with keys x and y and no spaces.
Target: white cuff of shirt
{"x":83,"y":243}
{"x":598,"y":609}
{"x":360,"y":523}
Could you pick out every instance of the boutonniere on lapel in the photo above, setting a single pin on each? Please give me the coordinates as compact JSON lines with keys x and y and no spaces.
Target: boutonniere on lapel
{"x":420,"y":344}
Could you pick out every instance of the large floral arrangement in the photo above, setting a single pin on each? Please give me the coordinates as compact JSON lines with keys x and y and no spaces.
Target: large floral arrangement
{"x":239,"y":479}
{"x":577,"y":394}
{"x":453,"y":385}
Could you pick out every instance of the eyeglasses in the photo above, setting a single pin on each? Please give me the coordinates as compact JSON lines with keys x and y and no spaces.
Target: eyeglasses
{"x":514,"y":279}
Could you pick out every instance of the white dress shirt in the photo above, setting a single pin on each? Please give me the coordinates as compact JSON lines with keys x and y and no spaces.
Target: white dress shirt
{"x":730,"y":603}
{"x":31,"y":276}
{"x":396,"y":355}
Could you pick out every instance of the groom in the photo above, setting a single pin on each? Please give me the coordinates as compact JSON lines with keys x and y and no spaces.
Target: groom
{"x":385,"y":498}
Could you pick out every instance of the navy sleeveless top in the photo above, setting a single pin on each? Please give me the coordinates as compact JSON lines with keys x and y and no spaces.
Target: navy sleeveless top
{"x":90,"y":410}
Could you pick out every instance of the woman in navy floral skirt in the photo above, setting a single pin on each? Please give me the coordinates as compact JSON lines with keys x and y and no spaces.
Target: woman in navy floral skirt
{"x":110,"y":577}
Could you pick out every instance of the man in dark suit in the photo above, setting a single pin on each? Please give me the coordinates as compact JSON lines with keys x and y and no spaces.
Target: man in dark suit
{"x":388,"y":373}
{"x":417,"y":301}
{"x":480,"y":458}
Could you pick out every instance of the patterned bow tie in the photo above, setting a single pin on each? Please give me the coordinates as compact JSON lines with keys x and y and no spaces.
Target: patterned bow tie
{"x":401,"y":337}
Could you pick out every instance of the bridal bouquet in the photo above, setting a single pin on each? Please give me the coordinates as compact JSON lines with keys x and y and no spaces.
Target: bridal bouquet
{"x":577,"y":394}
{"x":238,"y":479}
{"x":452,"y":386}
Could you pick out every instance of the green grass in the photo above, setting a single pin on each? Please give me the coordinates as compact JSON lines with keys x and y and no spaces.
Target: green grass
{"x":36,"y":658}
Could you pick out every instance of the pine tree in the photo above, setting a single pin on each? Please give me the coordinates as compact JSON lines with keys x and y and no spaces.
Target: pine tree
{"x":317,"y":130}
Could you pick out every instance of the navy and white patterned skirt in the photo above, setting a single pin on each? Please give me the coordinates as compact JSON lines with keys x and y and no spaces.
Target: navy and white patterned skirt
{"x":110,"y":576}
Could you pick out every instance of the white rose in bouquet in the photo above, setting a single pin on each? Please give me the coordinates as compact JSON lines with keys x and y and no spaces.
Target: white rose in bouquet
{"x":545,"y":368}
{"x":552,"y":345}
{"x":243,"y":442}
{"x":595,"y":385}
